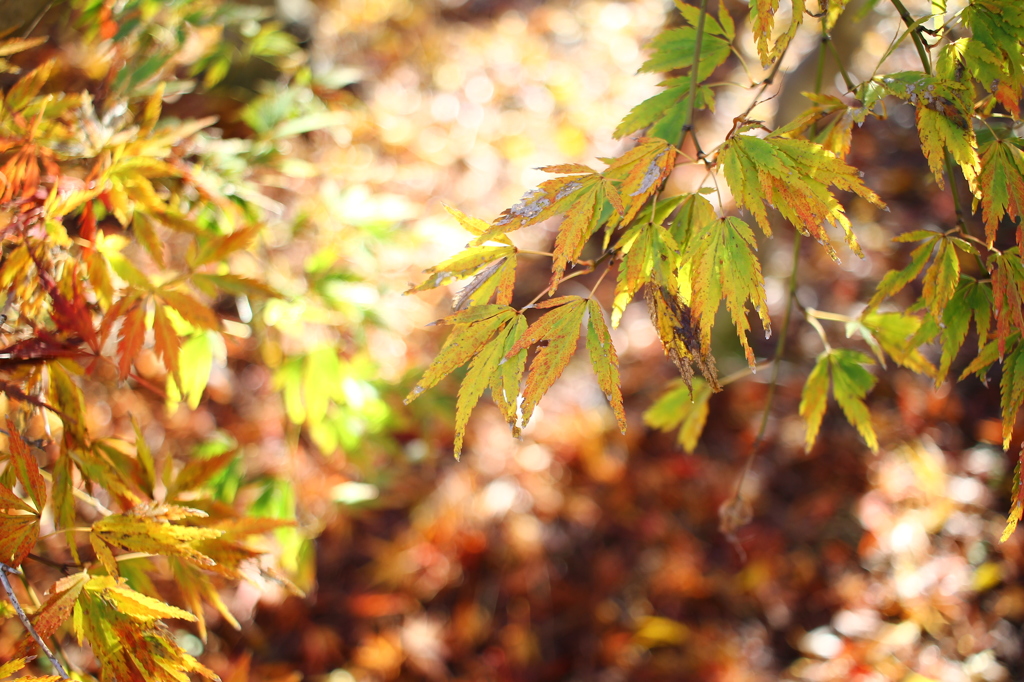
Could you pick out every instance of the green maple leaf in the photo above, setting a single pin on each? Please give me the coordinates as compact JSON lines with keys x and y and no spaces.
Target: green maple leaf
{"x":850,"y":381}
{"x":795,"y":177}
{"x":683,"y":407}
{"x":994,"y":54}
{"x":676,"y":48}
{"x":725,"y":266}
{"x":1011,"y":390}
{"x":560,"y":330}
{"x":664,"y":115}
{"x":667,"y":113}
{"x":895,"y":334}
{"x":971,"y":299}
{"x":648,"y":253}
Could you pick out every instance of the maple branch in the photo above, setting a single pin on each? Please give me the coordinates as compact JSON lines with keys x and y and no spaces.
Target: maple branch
{"x":4,"y":570}
{"x":914,"y":35}
{"x":850,"y":86}
{"x":922,"y":53}
{"x":694,"y":69}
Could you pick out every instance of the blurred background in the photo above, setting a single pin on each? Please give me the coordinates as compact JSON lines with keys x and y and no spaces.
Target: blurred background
{"x":576,"y":553}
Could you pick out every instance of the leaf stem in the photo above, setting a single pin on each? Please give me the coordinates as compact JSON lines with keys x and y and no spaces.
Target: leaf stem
{"x":5,"y":581}
{"x":688,"y":127}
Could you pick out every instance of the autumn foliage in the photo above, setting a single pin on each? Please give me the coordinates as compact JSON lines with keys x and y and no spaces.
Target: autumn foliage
{"x":690,"y":256}
{"x":135,"y":239}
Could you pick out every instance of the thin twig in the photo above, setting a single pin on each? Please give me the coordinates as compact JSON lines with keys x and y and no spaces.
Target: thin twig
{"x":694,"y":70}
{"x":4,"y":570}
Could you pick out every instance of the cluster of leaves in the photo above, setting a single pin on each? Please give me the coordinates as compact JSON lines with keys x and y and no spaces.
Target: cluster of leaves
{"x":689,"y":257}
{"x":120,"y":227}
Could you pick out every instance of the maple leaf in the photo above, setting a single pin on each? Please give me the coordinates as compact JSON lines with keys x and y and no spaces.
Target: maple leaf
{"x":605,"y":360}
{"x":25,"y":467}
{"x":474,"y":328}
{"x":895,"y":280}
{"x":724,"y":266}
{"x":1008,"y":293}
{"x":648,"y":253}
{"x":191,"y":310}
{"x":794,"y":176}
{"x":127,"y":637}
{"x":830,"y":118}
{"x":55,"y":610}
{"x":1017,"y":500}
{"x":850,"y":381}
{"x":971,"y":299}
{"x":560,"y":330}
{"x":943,"y":107}
{"x":550,"y":198}
{"x":680,"y":334}
{"x":484,"y":365}
{"x":683,"y":407}
{"x":1011,"y":390}
{"x":664,"y":115}
{"x":131,"y":337}
{"x":506,"y":379}
{"x":18,"y":534}
{"x":166,"y":342}
{"x":762,"y":19}
{"x":640,"y":173}
{"x":994,"y":54}
{"x":493,"y":268}
{"x":1001,"y":185}
{"x":895,"y":334}
{"x":151,"y":529}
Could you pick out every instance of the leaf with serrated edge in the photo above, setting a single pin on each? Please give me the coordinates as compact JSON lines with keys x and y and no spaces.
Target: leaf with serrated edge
{"x":140,"y":607}
{"x":1001,"y":186}
{"x":850,"y":383}
{"x":605,"y":360}
{"x":26,"y":467}
{"x":814,"y":398}
{"x":506,"y":380}
{"x":560,"y":328}
{"x":895,"y":280}
{"x":1008,"y":293}
{"x":1016,"y":500}
{"x":18,"y":534}
{"x":130,"y":338}
{"x":8,"y":500}
{"x":795,"y":176}
{"x":196,"y":313}
{"x":682,"y":407}
{"x":1011,"y":390}
{"x":55,"y":610}
{"x":473,"y":329}
{"x":166,"y":342}
{"x":725,"y":266}
{"x":483,"y":365}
